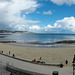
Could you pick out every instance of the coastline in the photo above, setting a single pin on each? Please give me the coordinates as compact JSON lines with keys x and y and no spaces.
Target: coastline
{"x":49,"y":55}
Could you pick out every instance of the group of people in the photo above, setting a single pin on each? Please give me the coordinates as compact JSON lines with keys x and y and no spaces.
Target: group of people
{"x":39,"y":61}
{"x":13,"y":54}
{"x":10,"y":53}
{"x":35,"y":59}
{"x":66,"y":61}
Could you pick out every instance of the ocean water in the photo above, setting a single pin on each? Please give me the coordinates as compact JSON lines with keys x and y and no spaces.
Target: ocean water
{"x":36,"y":39}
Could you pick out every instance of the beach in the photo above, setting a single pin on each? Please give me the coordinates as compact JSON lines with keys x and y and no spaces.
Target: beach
{"x":48,"y":54}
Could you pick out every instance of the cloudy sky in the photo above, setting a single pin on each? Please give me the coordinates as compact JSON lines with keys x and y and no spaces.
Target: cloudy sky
{"x":41,"y":16}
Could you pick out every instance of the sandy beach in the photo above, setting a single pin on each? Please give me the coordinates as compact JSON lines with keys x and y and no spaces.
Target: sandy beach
{"x":49,"y":55}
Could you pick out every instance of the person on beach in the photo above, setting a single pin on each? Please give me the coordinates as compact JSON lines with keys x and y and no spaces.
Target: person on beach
{"x":34,"y":60}
{"x":40,"y":58}
{"x":66,"y":62}
{"x":9,"y":52}
{"x":13,"y":55}
{"x":2,"y":51}
{"x":74,"y":59}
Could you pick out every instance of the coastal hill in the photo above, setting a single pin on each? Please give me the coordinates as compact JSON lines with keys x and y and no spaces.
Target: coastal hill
{"x":6,"y":31}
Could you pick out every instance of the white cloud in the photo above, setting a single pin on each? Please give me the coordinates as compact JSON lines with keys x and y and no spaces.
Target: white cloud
{"x":30,"y":10}
{"x":66,"y":25}
{"x":10,"y":11}
{"x":34,"y":27}
{"x":47,"y":13}
{"x":61,"y":2}
{"x":38,"y":12}
{"x":61,"y":26}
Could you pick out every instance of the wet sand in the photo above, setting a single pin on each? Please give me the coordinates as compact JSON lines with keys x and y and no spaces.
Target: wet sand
{"x":49,"y":55}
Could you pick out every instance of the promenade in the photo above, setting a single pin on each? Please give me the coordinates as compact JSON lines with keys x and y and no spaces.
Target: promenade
{"x":35,"y":67}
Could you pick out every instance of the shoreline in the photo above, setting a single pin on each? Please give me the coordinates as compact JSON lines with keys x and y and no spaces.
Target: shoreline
{"x":14,"y":44}
{"x":64,"y":43}
{"x":45,"y":46}
{"x":49,"y":55}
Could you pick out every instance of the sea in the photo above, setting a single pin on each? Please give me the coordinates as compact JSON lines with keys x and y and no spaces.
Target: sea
{"x":37,"y":39}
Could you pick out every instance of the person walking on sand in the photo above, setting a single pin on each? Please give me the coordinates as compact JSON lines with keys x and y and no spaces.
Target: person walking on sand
{"x":66,"y":62}
{"x":2,"y":51}
{"x":9,"y":52}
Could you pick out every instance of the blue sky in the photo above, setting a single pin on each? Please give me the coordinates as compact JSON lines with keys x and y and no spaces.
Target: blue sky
{"x":41,"y":16}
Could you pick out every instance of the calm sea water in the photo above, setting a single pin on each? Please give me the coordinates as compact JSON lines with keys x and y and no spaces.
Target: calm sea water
{"x":27,"y":38}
